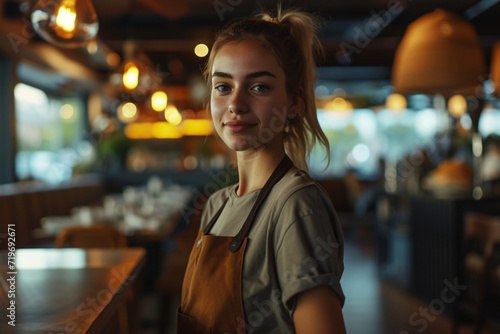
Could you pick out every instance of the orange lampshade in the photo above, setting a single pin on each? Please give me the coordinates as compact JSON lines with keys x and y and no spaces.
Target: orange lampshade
{"x":439,"y":53}
{"x":495,"y":68}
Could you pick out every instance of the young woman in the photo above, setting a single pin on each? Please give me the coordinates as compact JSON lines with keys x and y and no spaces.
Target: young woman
{"x":269,"y":255}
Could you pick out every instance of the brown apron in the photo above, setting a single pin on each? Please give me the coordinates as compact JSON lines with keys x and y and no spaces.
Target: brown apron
{"x":212,"y":288}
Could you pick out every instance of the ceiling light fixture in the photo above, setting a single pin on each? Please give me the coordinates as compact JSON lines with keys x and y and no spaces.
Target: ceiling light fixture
{"x":65,"y":23}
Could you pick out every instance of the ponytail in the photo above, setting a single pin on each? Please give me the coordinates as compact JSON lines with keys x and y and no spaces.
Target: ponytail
{"x":292,"y":37}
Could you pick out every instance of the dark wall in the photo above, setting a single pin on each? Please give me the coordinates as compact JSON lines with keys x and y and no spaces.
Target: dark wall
{"x":7,"y":128}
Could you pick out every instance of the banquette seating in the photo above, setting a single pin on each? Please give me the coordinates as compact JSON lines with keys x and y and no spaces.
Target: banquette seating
{"x":25,"y":204}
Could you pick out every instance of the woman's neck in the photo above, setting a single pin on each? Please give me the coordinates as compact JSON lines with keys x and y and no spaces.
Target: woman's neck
{"x":254,"y":169}
{"x":256,"y":166}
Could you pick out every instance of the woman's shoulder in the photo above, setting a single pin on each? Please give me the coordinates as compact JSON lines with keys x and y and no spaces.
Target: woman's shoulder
{"x":298,"y":181}
{"x":299,"y":189}
{"x":301,"y":201}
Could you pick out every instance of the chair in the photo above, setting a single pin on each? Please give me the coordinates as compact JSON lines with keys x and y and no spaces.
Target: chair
{"x":102,"y":236}
{"x":480,"y":271}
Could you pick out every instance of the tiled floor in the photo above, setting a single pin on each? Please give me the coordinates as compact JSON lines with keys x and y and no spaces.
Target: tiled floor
{"x":372,"y":306}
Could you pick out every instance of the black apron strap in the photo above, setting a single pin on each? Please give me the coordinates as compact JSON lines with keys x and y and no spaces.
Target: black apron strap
{"x":283,"y":167}
{"x":207,"y":229}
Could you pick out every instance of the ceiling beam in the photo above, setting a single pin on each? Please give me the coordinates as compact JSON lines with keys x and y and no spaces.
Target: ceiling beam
{"x":479,"y":8}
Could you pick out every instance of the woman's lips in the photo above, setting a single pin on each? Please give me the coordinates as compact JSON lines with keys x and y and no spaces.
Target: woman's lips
{"x":238,"y":126}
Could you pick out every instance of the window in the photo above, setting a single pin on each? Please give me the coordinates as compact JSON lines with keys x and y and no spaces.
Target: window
{"x":361,"y":138}
{"x":49,"y":133}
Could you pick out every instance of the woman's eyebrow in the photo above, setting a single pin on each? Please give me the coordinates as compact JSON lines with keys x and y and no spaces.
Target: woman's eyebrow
{"x":222,"y":75}
{"x":248,"y":76}
{"x":260,"y":74}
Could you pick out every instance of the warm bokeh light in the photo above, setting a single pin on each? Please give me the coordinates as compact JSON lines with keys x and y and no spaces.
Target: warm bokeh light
{"x":92,"y":47}
{"x":197,"y":127}
{"x":67,"y":112}
{"x":201,"y":50}
{"x":457,"y":105}
{"x":172,"y":115}
{"x":139,"y":131}
{"x":159,"y":101}
{"x":338,"y":104}
{"x":66,"y":19}
{"x":127,"y":112}
{"x":396,"y":102}
{"x":113,"y":59}
{"x":164,"y":130}
{"x":131,"y":76}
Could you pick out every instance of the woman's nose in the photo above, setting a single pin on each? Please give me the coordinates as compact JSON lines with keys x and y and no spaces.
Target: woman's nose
{"x":238,"y":104}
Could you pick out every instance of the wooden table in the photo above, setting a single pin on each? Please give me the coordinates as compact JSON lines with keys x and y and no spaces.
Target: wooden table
{"x":68,"y":290}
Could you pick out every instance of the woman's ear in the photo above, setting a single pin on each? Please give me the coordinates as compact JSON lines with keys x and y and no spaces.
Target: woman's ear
{"x":297,"y":103}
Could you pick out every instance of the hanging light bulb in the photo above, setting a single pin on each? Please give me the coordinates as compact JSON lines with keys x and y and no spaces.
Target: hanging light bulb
{"x":65,"y":23}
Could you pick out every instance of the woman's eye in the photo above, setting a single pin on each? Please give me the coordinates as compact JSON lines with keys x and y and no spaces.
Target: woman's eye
{"x":260,"y":88}
{"x":222,"y":88}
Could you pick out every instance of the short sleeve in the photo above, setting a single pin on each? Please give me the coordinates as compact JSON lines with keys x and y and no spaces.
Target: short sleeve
{"x":309,"y":245}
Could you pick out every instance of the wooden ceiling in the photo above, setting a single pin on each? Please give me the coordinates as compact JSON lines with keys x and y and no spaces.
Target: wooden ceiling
{"x":168,"y":30}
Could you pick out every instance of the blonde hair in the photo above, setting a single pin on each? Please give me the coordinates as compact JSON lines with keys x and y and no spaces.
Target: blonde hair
{"x":283,"y":35}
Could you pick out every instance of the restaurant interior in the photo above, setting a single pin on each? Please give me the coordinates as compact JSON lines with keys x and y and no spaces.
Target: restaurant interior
{"x":108,"y":154}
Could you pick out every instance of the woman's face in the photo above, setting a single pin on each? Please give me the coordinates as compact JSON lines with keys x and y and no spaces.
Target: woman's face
{"x":249,"y":101}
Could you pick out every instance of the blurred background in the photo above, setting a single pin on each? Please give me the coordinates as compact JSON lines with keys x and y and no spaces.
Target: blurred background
{"x":103,"y":122}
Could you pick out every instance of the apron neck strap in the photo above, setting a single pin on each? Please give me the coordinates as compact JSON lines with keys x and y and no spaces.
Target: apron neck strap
{"x":283,"y":167}
{"x":207,"y":229}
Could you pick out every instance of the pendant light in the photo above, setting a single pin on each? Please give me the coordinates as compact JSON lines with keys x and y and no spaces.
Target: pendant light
{"x":440,"y":53}
{"x":65,"y":23}
{"x":495,"y":69}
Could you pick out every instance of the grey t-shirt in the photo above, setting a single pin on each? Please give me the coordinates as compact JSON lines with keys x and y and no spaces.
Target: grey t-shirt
{"x":295,"y":244}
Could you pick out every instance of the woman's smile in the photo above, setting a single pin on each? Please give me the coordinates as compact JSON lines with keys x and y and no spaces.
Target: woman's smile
{"x":239,"y":126}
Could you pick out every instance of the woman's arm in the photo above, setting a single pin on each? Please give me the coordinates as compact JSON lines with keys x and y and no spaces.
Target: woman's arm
{"x":318,"y":311}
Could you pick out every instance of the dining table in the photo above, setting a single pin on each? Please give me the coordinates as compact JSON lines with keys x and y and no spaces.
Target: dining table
{"x":66,"y":290}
